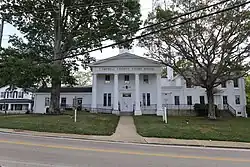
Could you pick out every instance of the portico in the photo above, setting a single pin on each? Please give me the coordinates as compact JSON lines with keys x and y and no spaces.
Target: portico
{"x":125,"y":83}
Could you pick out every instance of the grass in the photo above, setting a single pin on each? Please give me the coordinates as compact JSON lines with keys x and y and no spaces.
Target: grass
{"x":234,"y":129}
{"x":87,"y":123}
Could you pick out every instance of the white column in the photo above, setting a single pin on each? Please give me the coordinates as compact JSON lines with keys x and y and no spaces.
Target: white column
{"x":137,"y":95}
{"x":94,"y":87}
{"x":159,"y":98}
{"x":116,"y":96}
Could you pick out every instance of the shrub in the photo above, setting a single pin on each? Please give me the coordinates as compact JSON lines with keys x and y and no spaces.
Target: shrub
{"x":248,"y":110}
{"x":202,"y":110}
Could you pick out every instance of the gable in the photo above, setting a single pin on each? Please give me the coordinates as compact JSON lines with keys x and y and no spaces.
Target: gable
{"x":126,"y":60}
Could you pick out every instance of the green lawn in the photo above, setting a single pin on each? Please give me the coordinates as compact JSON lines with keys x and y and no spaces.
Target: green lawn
{"x":88,"y":124}
{"x":234,"y":129}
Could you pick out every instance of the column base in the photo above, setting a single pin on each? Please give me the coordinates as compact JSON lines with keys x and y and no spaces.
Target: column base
{"x":138,"y":112}
{"x":159,"y":112}
{"x":115,"y":112}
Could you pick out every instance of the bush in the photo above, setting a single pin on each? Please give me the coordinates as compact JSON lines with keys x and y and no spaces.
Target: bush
{"x":202,"y":110}
{"x":248,"y":110}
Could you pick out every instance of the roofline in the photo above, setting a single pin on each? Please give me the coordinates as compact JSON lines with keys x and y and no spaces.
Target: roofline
{"x":113,"y":57}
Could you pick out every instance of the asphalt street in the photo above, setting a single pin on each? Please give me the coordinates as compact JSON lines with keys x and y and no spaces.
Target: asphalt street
{"x":31,"y":151}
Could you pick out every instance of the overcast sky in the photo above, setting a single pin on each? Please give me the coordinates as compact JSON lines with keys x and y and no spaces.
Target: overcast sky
{"x":146,"y":6}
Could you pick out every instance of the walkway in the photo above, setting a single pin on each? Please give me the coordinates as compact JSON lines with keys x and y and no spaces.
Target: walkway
{"x":126,"y":131}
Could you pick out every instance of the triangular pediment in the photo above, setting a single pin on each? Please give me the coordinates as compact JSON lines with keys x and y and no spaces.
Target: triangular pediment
{"x":126,"y":59}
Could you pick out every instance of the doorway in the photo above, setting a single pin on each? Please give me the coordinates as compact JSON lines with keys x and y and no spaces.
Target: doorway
{"x":126,"y":102}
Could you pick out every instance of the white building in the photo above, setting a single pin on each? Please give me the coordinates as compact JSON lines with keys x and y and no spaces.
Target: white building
{"x":127,"y":83}
{"x":15,"y":100}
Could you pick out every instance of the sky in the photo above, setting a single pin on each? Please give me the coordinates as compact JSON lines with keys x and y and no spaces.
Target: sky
{"x":146,"y":7}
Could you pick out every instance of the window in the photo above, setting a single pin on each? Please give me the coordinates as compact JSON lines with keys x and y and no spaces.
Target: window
{"x":47,"y":100}
{"x":107,"y":99}
{"x":237,"y":99}
{"x":177,"y":100}
{"x":126,"y":78}
{"x":146,"y":99}
{"x":107,"y":78}
{"x":224,"y":99}
{"x":188,"y":83}
{"x":224,"y":84}
{"x":189,"y":100}
{"x":2,"y":94}
{"x":202,"y":100}
{"x":63,"y":101}
{"x":20,"y":94}
{"x":145,"y":79}
{"x":236,"y":83}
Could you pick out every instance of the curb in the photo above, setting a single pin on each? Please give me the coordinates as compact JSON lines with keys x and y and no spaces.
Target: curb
{"x":11,"y":131}
{"x":199,"y":145}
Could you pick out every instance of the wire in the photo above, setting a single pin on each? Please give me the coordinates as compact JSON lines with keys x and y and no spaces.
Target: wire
{"x":171,"y":19}
{"x":157,"y":31}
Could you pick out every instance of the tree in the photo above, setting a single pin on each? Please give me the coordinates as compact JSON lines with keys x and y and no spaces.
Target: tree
{"x":69,"y":28}
{"x":213,"y":48}
{"x":83,"y":78}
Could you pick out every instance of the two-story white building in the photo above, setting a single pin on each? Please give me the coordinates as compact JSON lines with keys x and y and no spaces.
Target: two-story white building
{"x":128,"y":83}
{"x":15,"y":100}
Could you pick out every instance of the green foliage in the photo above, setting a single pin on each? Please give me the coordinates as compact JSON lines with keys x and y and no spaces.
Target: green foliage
{"x":66,"y":30}
{"x":247,"y":88}
{"x":210,"y":50}
{"x":200,"y":128}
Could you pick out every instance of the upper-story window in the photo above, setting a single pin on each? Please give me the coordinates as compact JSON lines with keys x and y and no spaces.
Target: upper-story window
{"x":145,"y":79}
{"x":126,"y":78}
{"x":20,"y":94}
{"x":224,"y":84}
{"x":107,"y":78}
{"x":2,"y":95}
{"x":236,"y":83}
{"x":188,"y":83}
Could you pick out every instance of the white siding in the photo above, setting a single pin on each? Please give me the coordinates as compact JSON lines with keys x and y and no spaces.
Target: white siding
{"x":39,"y":100}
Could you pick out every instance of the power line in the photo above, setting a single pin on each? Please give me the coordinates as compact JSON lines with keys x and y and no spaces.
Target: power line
{"x":157,"y":31}
{"x":167,"y":20}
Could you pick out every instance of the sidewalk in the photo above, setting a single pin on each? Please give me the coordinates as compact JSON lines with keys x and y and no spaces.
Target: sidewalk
{"x":126,"y":132}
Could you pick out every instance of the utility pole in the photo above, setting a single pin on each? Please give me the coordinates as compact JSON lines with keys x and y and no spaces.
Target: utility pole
{"x":1,"y":32}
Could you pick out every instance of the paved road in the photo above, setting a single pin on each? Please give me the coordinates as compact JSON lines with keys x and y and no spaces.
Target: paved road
{"x":27,"y":151}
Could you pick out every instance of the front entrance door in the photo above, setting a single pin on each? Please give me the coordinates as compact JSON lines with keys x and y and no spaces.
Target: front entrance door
{"x":126,"y":102}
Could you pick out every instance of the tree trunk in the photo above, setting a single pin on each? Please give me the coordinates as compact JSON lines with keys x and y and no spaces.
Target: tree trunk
{"x":57,"y":66}
{"x":55,"y":94}
{"x":211,"y":108}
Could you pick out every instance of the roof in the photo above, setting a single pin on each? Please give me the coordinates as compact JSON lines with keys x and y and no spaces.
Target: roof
{"x":67,"y":89}
{"x":125,"y":56}
{"x":16,"y":101}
